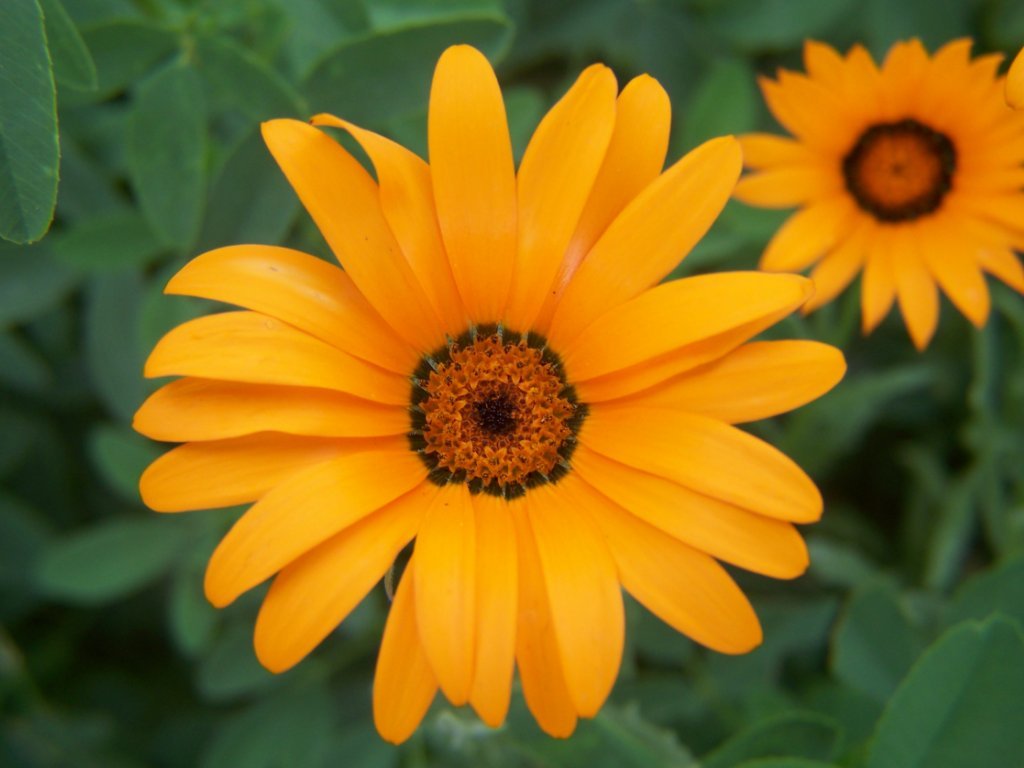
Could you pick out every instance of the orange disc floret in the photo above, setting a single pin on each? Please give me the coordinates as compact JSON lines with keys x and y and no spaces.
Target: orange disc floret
{"x":494,"y":412}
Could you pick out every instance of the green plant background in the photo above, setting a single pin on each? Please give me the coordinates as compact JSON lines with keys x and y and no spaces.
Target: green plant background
{"x":902,"y":646}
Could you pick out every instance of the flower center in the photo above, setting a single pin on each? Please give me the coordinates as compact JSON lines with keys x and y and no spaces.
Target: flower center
{"x":900,"y":171}
{"x":492,"y":409}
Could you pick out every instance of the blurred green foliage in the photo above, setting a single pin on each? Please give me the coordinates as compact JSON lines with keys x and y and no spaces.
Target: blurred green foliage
{"x":902,"y":648}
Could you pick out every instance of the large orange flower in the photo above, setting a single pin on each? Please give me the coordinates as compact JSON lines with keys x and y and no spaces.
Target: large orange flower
{"x":497,"y":375}
{"x":910,"y":173}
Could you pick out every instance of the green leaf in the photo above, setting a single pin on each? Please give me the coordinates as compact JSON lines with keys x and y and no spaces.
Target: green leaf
{"x":31,"y":283}
{"x":120,"y":456}
{"x":108,"y":241}
{"x":114,"y":356}
{"x":167,"y":153}
{"x":388,"y":14}
{"x":290,"y":728}
{"x":110,"y":559}
{"x":957,"y":706}
{"x":29,"y":151}
{"x":247,"y":82}
{"x":230,"y":670}
{"x":317,"y":26}
{"x":21,"y":366}
{"x":349,"y":81}
{"x":123,"y":50}
{"x":776,"y":24}
{"x":72,"y":64}
{"x":874,"y":643}
{"x":847,"y":414}
{"x":724,"y":103}
{"x":193,"y":620}
{"x":251,"y":201}
{"x":796,"y":734}
{"x":998,"y":590}
{"x":785,"y":762}
{"x":934,"y":22}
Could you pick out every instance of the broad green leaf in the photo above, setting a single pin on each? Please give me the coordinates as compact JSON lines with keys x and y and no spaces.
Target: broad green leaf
{"x":120,"y":456}
{"x":114,"y":355}
{"x":21,"y":366}
{"x":997,"y":590}
{"x":242,"y":79}
{"x":109,"y":241}
{"x":290,"y":728}
{"x":838,"y":563}
{"x":109,"y":559}
{"x":956,"y":707}
{"x":72,"y":63}
{"x":388,"y":14}
{"x":774,"y":24}
{"x":87,"y":187}
{"x":124,"y":50}
{"x":29,"y":151}
{"x":934,"y":22}
{"x":250,"y":202}
{"x":949,"y":538}
{"x":31,"y":283}
{"x":874,"y":642}
{"x":785,"y":762}
{"x":317,"y":26}
{"x":797,"y":734}
{"x":724,"y":103}
{"x":193,"y":620}
{"x":230,"y":669}
{"x":167,"y":153}
{"x":350,"y":80}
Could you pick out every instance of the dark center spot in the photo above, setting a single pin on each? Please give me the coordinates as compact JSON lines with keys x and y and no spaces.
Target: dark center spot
{"x":495,"y":413}
{"x":900,"y":171}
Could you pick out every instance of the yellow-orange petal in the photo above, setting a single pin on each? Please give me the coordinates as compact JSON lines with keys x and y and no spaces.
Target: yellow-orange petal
{"x":878,"y":285}
{"x":583,"y":591}
{"x":952,"y":263}
{"x":676,"y":314}
{"x":445,"y":574}
{"x":705,"y":455}
{"x":204,"y":409}
{"x":838,"y":269}
{"x":765,"y":150}
{"x":222,"y":473}
{"x":759,"y":544}
{"x":554,"y":182}
{"x":1003,"y":264}
{"x":407,"y":199}
{"x":311,"y":597}
{"x":537,"y":654}
{"x":823,"y":63}
{"x":474,"y":179}
{"x":650,"y":237}
{"x":257,"y":349}
{"x":685,"y":588}
{"x":497,"y":583}
{"x":404,"y":684}
{"x":1015,"y":82}
{"x":652,"y":372}
{"x":755,"y":381}
{"x":808,"y":234}
{"x":304,"y":510}
{"x":343,"y":200}
{"x":788,"y":186}
{"x":635,"y":156}
{"x":301,"y":290}
{"x":917,"y":294}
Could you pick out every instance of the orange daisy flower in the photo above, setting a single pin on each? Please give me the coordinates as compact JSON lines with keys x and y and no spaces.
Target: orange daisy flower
{"x":910,"y":172}
{"x":497,"y":375}
{"x":1015,"y":82}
